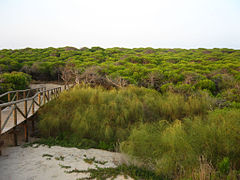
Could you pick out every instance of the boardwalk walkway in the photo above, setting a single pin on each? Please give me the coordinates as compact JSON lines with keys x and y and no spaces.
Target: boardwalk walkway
{"x":22,"y":105}
{"x":8,"y":125}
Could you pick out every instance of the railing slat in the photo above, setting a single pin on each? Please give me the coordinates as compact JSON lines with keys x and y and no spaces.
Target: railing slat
{"x":6,"y":120}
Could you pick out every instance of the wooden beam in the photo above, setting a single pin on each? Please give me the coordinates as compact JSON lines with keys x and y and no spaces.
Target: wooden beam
{"x":15,"y":125}
{"x":48,"y":98}
{"x":44,"y":97}
{"x":25,"y":123}
{"x":33,"y":109}
{"x":17,"y":96}
{"x":25,"y":104}
{"x":9,"y":97}
{"x":26,"y":131}
{"x":39,"y":99}
{"x":33,"y":114}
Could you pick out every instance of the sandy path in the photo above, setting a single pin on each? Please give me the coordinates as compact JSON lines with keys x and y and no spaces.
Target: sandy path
{"x":29,"y":164}
{"x":47,"y":85}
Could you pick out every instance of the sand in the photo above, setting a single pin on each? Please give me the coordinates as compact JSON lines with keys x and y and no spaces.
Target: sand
{"x":19,"y":163}
{"x":47,"y":85}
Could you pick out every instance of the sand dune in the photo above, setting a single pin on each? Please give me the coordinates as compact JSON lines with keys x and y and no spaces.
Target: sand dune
{"x":30,"y":163}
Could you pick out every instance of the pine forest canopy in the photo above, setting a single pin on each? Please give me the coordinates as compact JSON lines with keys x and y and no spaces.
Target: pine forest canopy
{"x":183,"y":69}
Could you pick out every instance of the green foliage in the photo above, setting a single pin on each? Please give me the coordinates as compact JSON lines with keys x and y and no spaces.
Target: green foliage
{"x":93,"y":160}
{"x":60,"y":158}
{"x":173,"y":135}
{"x":14,"y":81}
{"x":206,"y":84}
{"x":47,"y":155}
{"x":224,"y":166}
{"x":65,"y":167}
{"x":176,"y":147}
{"x":111,"y":173}
{"x":213,"y":69}
{"x":100,"y":118}
{"x":231,"y":94}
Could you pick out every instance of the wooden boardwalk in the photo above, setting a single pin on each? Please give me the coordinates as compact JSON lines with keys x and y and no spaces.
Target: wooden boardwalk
{"x":22,"y":105}
{"x":20,"y":118}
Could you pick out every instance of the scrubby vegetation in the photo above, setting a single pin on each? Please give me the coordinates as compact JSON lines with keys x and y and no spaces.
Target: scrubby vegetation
{"x":107,"y":116}
{"x":111,"y":173}
{"x":174,"y":135}
{"x":182,"y":147}
{"x":179,"y":70}
{"x":175,"y":112}
{"x":14,"y":81}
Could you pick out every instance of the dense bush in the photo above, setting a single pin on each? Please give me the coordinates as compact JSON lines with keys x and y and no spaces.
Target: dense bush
{"x":108,"y":116}
{"x":174,"y":135}
{"x":14,"y":81}
{"x":206,"y":84}
{"x":179,"y":149}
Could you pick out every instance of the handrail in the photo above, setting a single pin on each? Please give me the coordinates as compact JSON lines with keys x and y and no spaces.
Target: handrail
{"x":42,"y":97}
{"x":21,"y":110}
{"x":9,"y":92}
{"x":26,"y":99}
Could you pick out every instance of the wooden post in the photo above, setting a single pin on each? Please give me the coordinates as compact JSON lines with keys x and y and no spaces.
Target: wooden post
{"x":25,"y":104}
{"x":17,"y":96}
{"x":44,"y":98}
{"x":39,"y":99}
{"x":15,"y":124}
{"x":48,"y":95}
{"x":33,"y":114}
{"x":9,"y":97}
{"x":25,"y":123}
{"x":33,"y":107}
{"x":26,"y":131}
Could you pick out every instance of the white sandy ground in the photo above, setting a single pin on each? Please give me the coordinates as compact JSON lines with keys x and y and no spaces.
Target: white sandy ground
{"x":19,"y":163}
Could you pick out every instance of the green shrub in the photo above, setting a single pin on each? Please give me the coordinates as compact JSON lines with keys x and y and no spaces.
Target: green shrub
{"x":171,"y":106}
{"x":223,"y":81}
{"x":174,"y":149}
{"x":232,"y":95}
{"x":109,"y":115}
{"x":14,"y":81}
{"x":96,"y":114}
{"x":166,"y":87}
{"x":161,"y":146}
{"x":184,"y":89}
{"x":206,"y":84}
{"x":224,"y":166}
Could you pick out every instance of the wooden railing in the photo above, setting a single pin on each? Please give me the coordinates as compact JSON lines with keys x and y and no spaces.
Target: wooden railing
{"x":19,"y":94}
{"x":19,"y":109}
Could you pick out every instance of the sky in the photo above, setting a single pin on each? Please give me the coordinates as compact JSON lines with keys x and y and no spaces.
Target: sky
{"x":120,"y":23}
